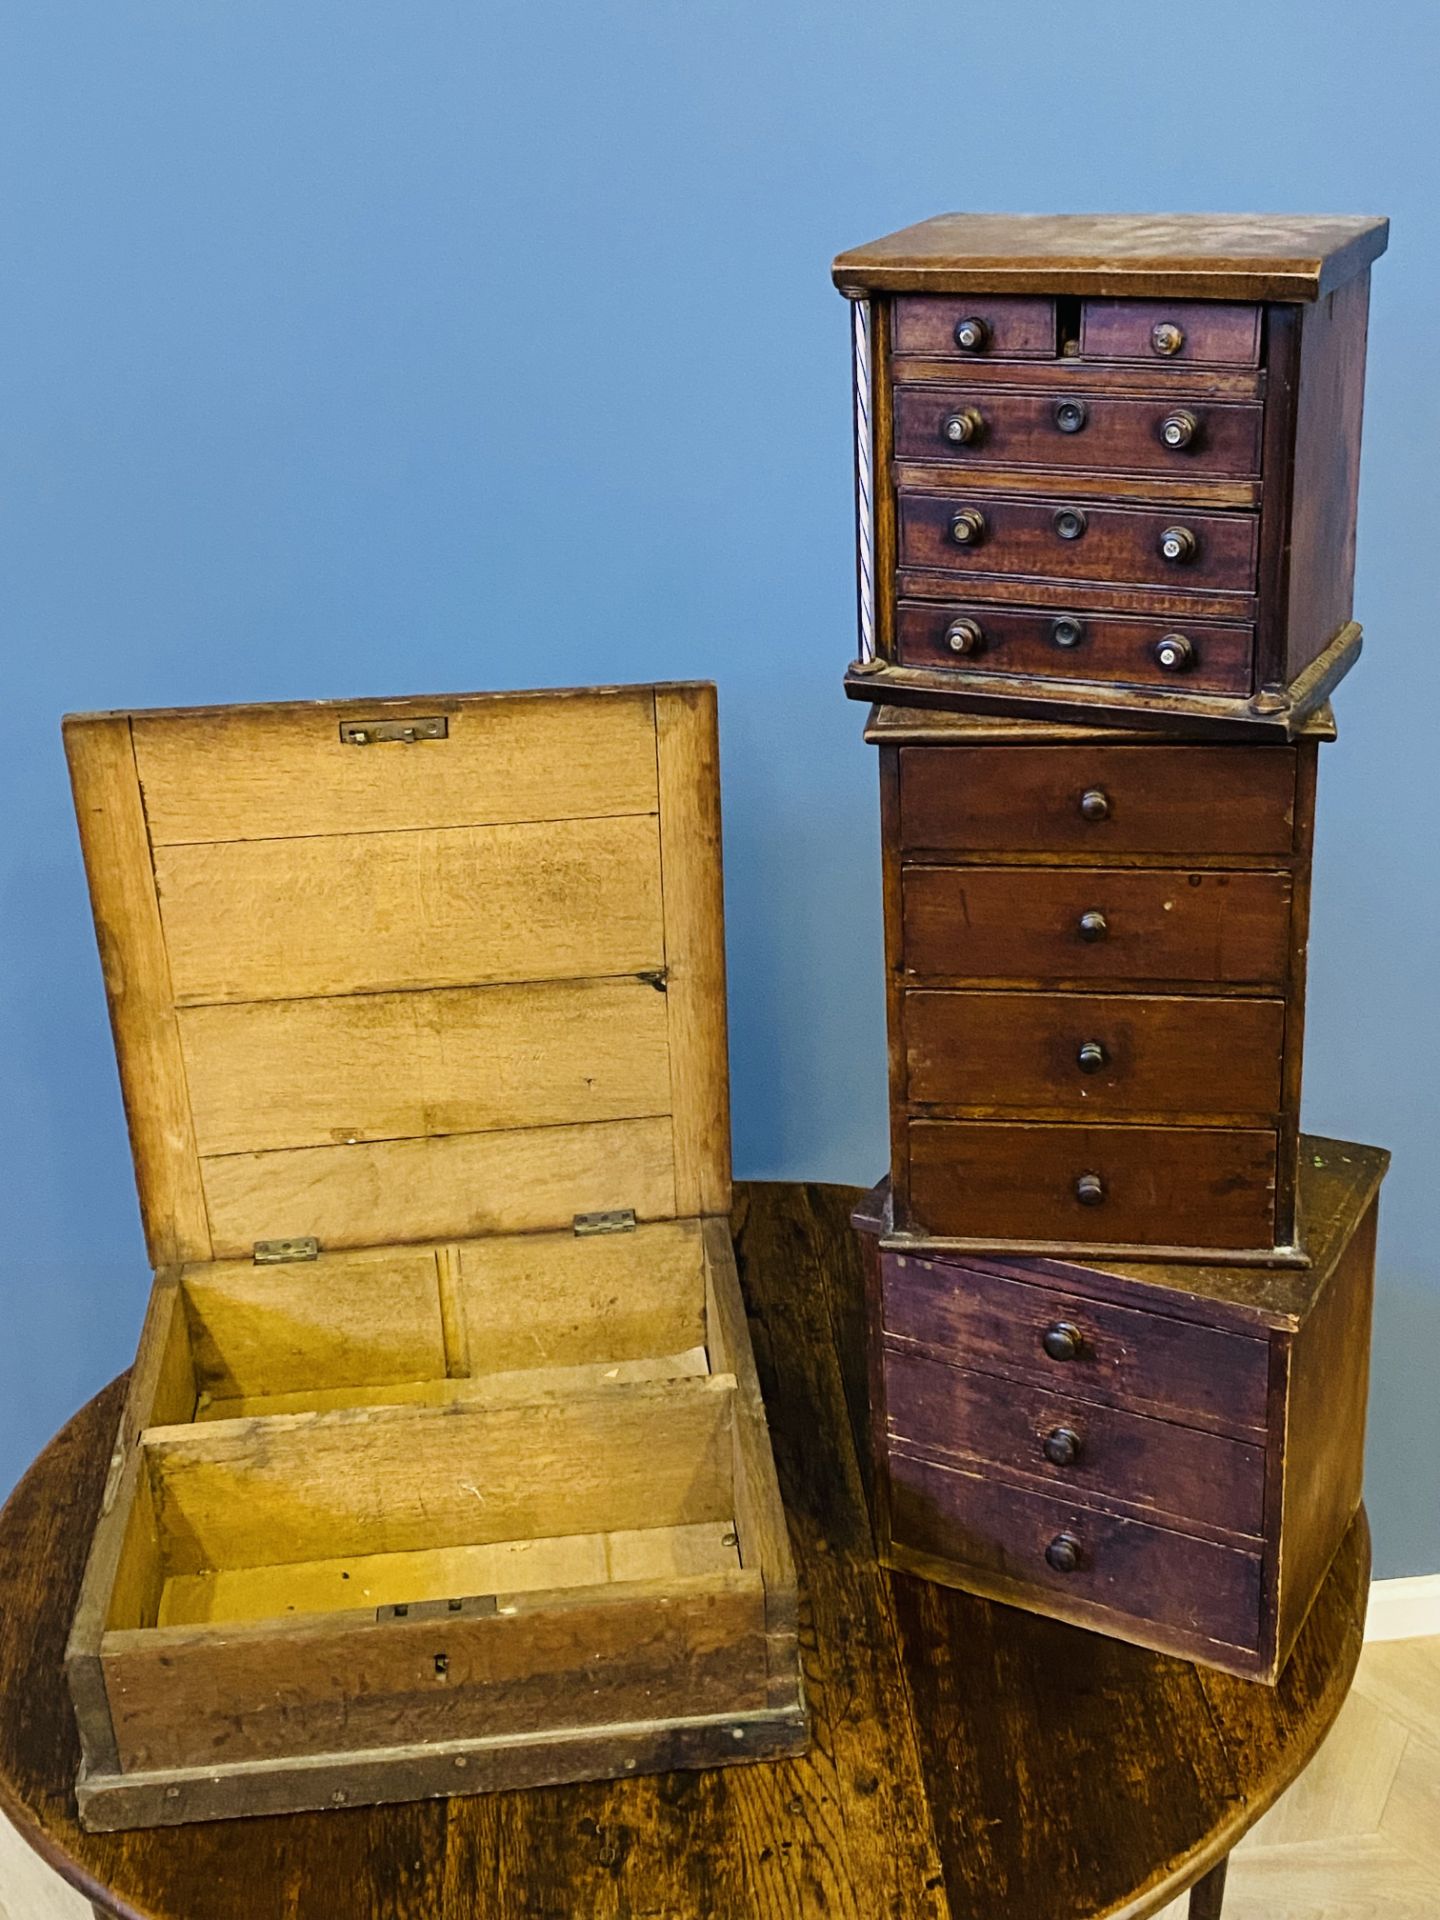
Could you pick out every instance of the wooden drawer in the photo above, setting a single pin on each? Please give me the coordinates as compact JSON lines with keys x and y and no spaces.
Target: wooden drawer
{"x":1009,"y":329}
{"x":1100,"y":1055}
{"x":1207,"y":657}
{"x":1171,"y":332}
{"x":1087,"y":429}
{"x":1151,"y":1186}
{"x":1195,"y":1374}
{"x":1193,"y":1478}
{"x":1100,"y":800}
{"x":1147,"y":1573}
{"x":1025,"y":536}
{"x":1002,"y":924}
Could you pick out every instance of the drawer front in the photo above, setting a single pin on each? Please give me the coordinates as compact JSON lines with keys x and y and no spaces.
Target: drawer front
{"x":1084,"y":429}
{"x":1097,"y":1055}
{"x":1145,"y":1573}
{"x":1188,"y":655}
{"x":1052,"y":924}
{"x":1171,"y":333}
{"x":989,"y":1324}
{"x":1018,"y":536}
{"x":1189,"y":1476}
{"x":974,"y":326}
{"x":1098,"y":800}
{"x":1090,"y":1186}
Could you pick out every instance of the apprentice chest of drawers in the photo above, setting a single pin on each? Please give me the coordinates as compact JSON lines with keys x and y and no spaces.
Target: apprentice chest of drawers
{"x":1107,"y":467}
{"x":1168,"y":1454}
{"x":1095,"y":948}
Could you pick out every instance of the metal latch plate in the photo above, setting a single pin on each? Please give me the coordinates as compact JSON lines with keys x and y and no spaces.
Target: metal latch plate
{"x":619,"y":1220}
{"x":377,"y":733}
{"x":278,"y":1253}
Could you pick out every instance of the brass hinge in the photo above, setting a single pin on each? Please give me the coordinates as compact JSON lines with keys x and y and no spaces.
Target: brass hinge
{"x":279,"y":1253}
{"x":476,"y":1606}
{"x":375,"y":733}
{"x":621,"y":1220}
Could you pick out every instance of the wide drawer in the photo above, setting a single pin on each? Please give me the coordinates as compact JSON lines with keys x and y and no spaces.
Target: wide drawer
{"x":1092,"y":1186}
{"x":969,"y":326}
{"x":975,"y":533}
{"x":1054,"y":924}
{"x":1098,"y":1055}
{"x":1169,"y":1580}
{"x":1089,"y":1452}
{"x":1110,"y":1354}
{"x":1100,"y":800}
{"x":976,"y":637}
{"x":1086,"y":429}
{"x":1171,"y":332}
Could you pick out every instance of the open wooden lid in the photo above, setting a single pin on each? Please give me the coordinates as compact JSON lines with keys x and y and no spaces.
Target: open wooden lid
{"x":410,"y":970}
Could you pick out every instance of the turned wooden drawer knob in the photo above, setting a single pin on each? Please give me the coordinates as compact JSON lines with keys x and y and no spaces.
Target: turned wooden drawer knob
{"x":1063,"y":1553}
{"x":1179,"y":429}
{"x":1067,"y":631}
{"x":1070,"y":523}
{"x":964,"y":636}
{"x":1166,"y":338}
{"x":1095,"y":804}
{"x":1062,"y":1341}
{"x":1178,"y":545}
{"x":1071,"y":415}
{"x":972,"y":335}
{"x":1093,"y":925}
{"x":967,"y":527}
{"x":1061,"y":1446}
{"x":1091,"y":1056}
{"x":1174,"y":653}
{"x":1090,"y":1190}
{"x":962,"y":429}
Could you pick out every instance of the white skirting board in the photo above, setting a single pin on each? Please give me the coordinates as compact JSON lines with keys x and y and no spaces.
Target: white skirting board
{"x":1404,"y":1609}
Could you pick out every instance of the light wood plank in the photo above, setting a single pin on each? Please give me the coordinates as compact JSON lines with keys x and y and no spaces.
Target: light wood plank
{"x":309,"y":1073}
{"x":116,"y":846}
{"x":252,"y":773}
{"x":689,"y":763}
{"x":460,"y":906}
{"x":452,"y":1186}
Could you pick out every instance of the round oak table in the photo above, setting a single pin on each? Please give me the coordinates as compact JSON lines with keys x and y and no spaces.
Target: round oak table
{"x":969,"y":1760}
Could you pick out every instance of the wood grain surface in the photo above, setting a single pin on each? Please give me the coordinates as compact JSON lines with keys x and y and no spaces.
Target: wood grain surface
{"x":970,"y":1762}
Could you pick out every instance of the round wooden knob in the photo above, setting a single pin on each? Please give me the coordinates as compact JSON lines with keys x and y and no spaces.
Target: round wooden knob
{"x":1174,"y":653}
{"x":1180,"y":429}
{"x":1063,"y":1553}
{"x":964,"y":636}
{"x":1070,"y":523}
{"x":967,"y":527}
{"x":1178,"y":545}
{"x":1071,"y":415}
{"x":1090,"y":1190}
{"x":1062,"y":1341}
{"x":1166,"y":338}
{"x":962,"y":429}
{"x":1091,"y":1056}
{"x":1094,"y":804}
{"x":972,"y":335}
{"x":1093,"y":925}
{"x":1061,"y":1446}
{"x":1067,"y":631}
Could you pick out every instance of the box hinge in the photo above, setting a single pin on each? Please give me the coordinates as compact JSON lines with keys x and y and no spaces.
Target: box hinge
{"x":405,"y":733}
{"x":279,"y":1253}
{"x":474,"y":1607}
{"x":619,"y":1220}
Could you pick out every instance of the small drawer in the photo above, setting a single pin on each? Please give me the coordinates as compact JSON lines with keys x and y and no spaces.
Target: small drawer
{"x":1093,"y":1186}
{"x":1100,"y":1056}
{"x":1084,"y":1348}
{"x":981,"y":534}
{"x":1093,"y":925}
{"x":974,"y":326}
{"x":1189,"y":655}
{"x":1085,"y":429}
{"x":1189,"y":801}
{"x":1171,"y":333}
{"x":1191,"y":1477}
{"x":1068,"y":1553}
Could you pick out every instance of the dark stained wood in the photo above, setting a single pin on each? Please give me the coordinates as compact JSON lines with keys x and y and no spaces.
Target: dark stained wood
{"x":1025,"y":429}
{"x":1186,"y":801}
{"x":997,"y":925}
{"x":1207,"y":1896}
{"x":1014,"y":329}
{"x":1115,"y":647}
{"x":1008,"y":1053}
{"x":929,"y":1706}
{"x":1121,"y":330}
{"x":1120,"y":542}
{"x":1208,"y":256}
{"x":1073,"y":375}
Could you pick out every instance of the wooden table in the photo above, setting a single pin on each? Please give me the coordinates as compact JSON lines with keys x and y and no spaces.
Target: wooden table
{"x":968,"y":1760}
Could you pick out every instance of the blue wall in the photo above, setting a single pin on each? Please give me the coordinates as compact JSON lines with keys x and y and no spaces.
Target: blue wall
{"x":364,"y":348}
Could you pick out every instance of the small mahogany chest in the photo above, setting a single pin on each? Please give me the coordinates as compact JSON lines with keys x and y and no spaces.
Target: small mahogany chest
{"x":1095,"y":964}
{"x":1170,"y":1455}
{"x":1107,"y":466}
{"x":443,"y":1465}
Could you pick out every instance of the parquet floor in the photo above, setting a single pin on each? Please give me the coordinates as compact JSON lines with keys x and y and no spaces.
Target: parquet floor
{"x":1356,"y":1838}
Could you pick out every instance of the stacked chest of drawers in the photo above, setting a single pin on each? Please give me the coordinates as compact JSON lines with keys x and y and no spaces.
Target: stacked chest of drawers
{"x":1118,"y":1309}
